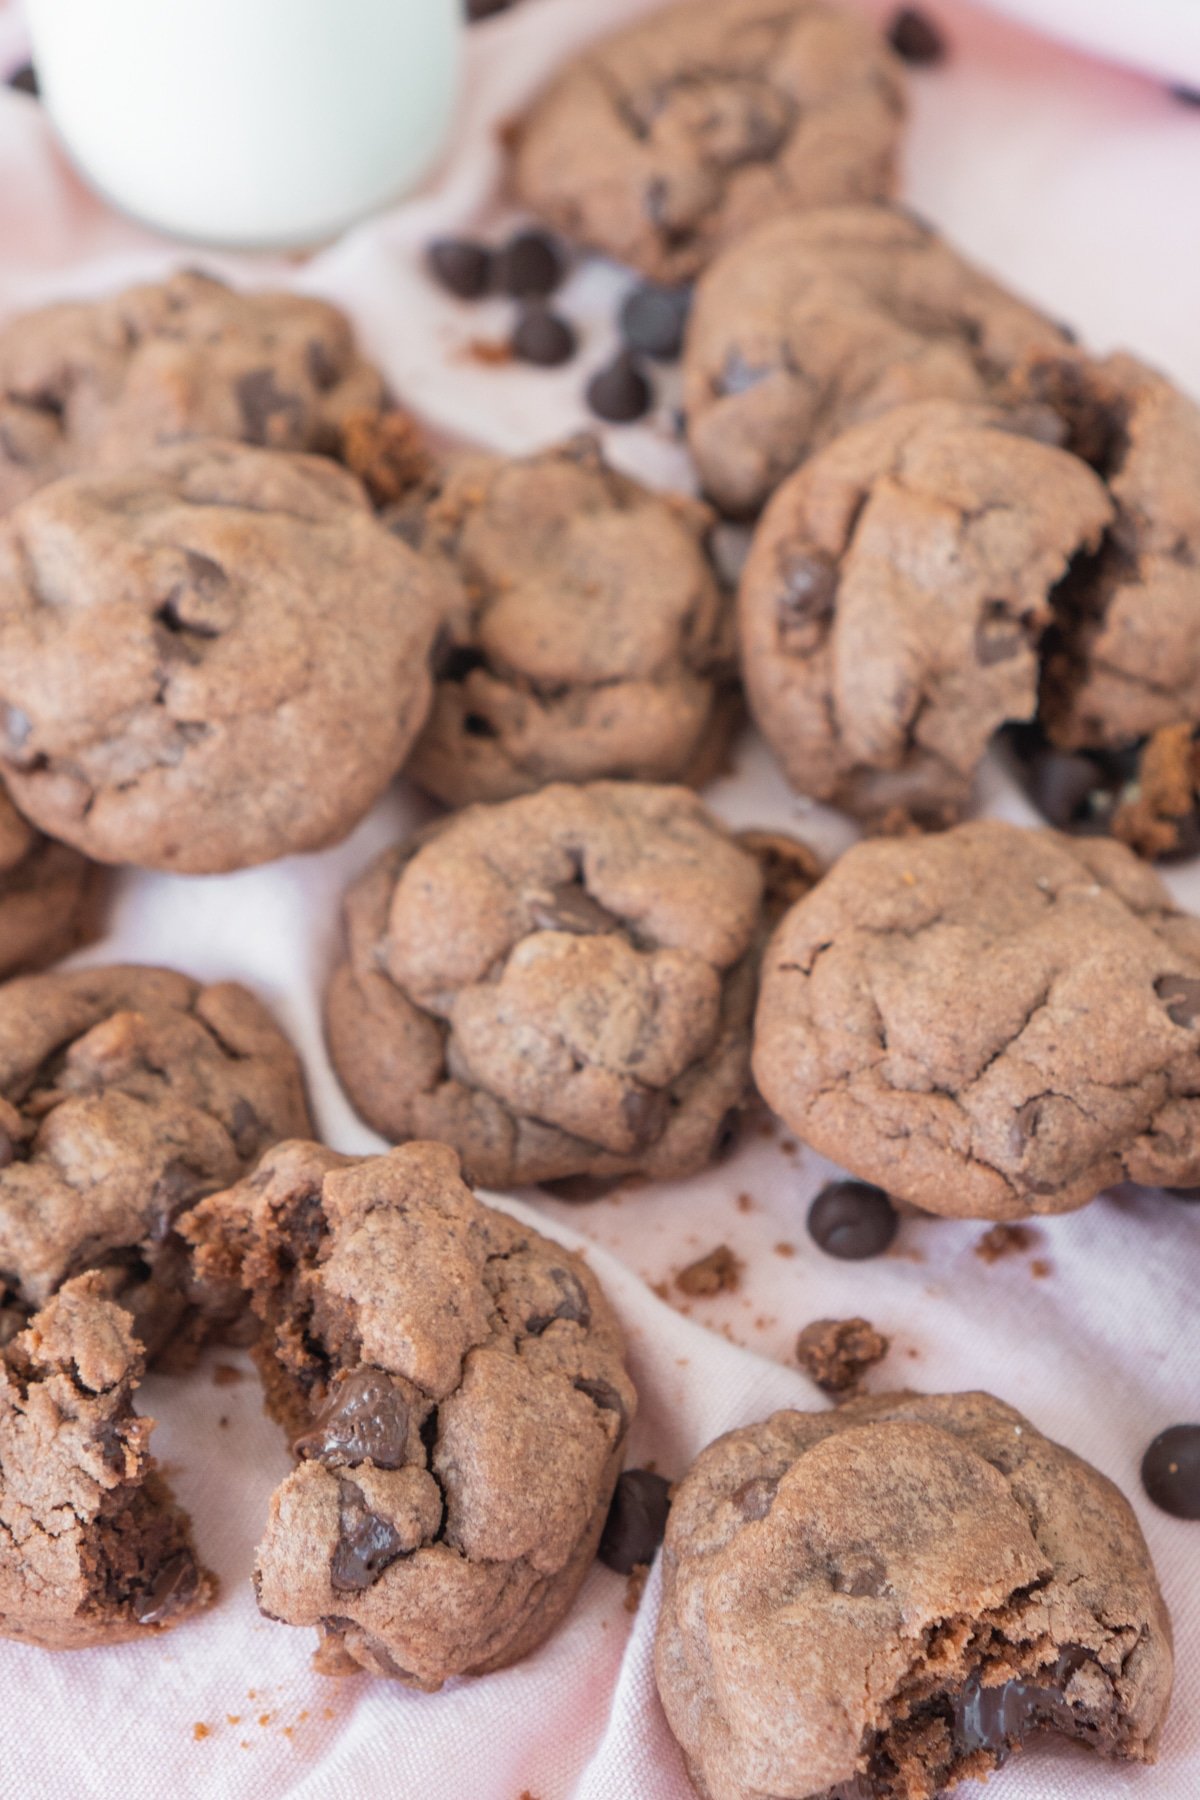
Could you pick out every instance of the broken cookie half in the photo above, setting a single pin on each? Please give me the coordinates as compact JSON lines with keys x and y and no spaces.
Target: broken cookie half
{"x":879,"y":1602}
{"x":93,"y":1549}
{"x":455,"y":1387}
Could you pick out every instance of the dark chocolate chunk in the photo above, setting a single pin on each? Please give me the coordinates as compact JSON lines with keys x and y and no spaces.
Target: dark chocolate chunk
{"x":1171,"y":1471}
{"x":652,"y":319}
{"x":569,"y":907}
{"x":862,"y":1576}
{"x":996,"y":1717}
{"x":529,"y":267}
{"x":1180,"y":994}
{"x":173,"y":1588}
{"x":645,"y":1112}
{"x":603,"y":1395}
{"x":753,"y":1499}
{"x":24,"y":81}
{"x":852,"y":1220}
{"x":572,"y":1304}
{"x":462,"y":267}
{"x":366,"y":1545}
{"x":261,"y":402}
{"x":916,"y":37}
{"x":1072,"y":790}
{"x":364,"y":1419}
{"x":619,"y":392}
{"x":543,"y":337}
{"x":636,"y":1520}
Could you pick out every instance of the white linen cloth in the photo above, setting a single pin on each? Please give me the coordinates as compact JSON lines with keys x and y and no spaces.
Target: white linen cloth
{"x":1078,"y":182}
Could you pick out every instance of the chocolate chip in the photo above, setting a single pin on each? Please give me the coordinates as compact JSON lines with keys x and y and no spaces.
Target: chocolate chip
{"x":619,"y":392}
{"x":323,"y":369}
{"x":603,"y":1395}
{"x":1180,"y":994}
{"x":366,"y":1545}
{"x":572,"y":1304}
{"x":753,"y":1499}
{"x":861,"y":1576}
{"x":543,"y":338}
{"x":994,"y":1717}
{"x":24,"y":81}
{"x":636,"y":1520}
{"x":569,"y":907}
{"x":1171,"y":1471}
{"x":806,"y":595}
{"x":852,"y":1220}
{"x":916,"y":37}
{"x":529,"y":267}
{"x":462,"y":267}
{"x":178,"y":1187}
{"x":246,"y":1129}
{"x":364,"y":1419}
{"x":261,"y":403}
{"x":644,"y":1111}
{"x":173,"y":1588}
{"x":652,"y":319}
{"x":1186,"y":96}
{"x":998,"y":636}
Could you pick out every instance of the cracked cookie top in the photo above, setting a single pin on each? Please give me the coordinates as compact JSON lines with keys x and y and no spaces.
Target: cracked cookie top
{"x":558,"y":986}
{"x":594,"y":632}
{"x":1124,"y":660}
{"x":822,"y":1636}
{"x":49,"y":895}
{"x":456,"y":1388}
{"x":818,"y":321}
{"x":990,"y":1022}
{"x":661,"y":143}
{"x":895,"y":597}
{"x":93,"y":1549}
{"x":126,"y":1093}
{"x":209,"y":660}
{"x":95,"y":384}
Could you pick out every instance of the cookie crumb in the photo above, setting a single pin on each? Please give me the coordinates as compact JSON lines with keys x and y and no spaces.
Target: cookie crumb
{"x":1004,"y":1240}
{"x":635,"y":1585}
{"x":223,"y":1420}
{"x":233,"y":1718}
{"x":1039,"y":1268}
{"x":720,"y":1272}
{"x":226,"y":1375}
{"x":491,"y":352}
{"x":201,"y":1730}
{"x":1159,"y":818}
{"x":745,"y":1203}
{"x":386,"y":450}
{"x":785,"y":1249}
{"x":836,"y":1353}
{"x":661,"y":1289}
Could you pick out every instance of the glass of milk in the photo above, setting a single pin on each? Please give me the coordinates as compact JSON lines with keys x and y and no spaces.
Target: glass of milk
{"x":249,"y":123}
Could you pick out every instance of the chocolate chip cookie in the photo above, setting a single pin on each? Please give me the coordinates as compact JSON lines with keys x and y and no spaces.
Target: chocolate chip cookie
{"x":93,"y":384}
{"x":49,"y":895}
{"x":1125,"y":657}
{"x":93,"y":1549}
{"x":125,"y":1095}
{"x":989,"y":1022}
{"x":559,"y":985}
{"x":456,"y":1388}
{"x":814,"y":322}
{"x":663,"y":142}
{"x":595,"y":633}
{"x":822,"y":1636}
{"x":210,"y":660}
{"x":895,"y":596}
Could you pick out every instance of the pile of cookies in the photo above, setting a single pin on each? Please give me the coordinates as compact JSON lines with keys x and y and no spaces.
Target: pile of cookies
{"x":239,"y":596}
